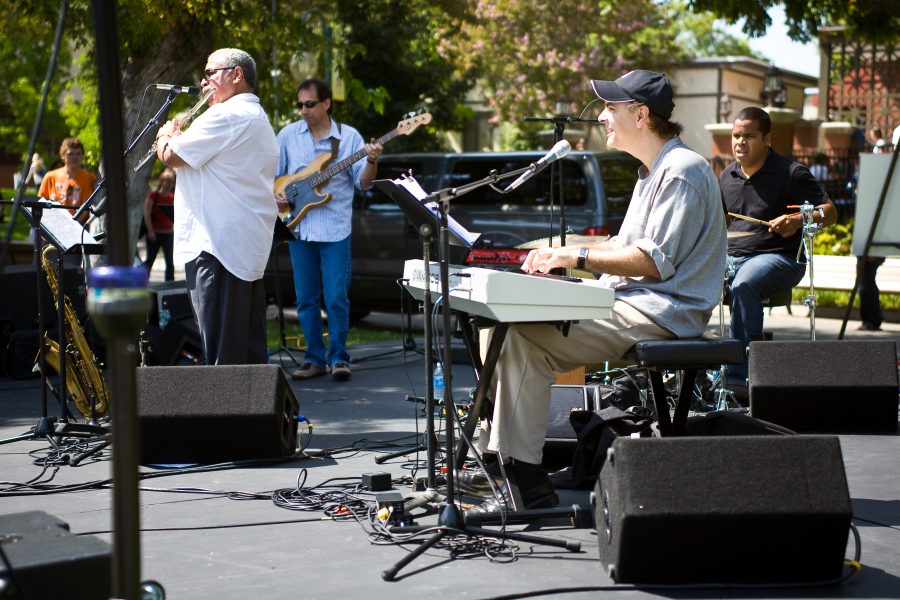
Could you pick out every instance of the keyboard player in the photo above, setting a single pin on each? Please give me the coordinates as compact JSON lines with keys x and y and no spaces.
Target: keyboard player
{"x":665,"y":267}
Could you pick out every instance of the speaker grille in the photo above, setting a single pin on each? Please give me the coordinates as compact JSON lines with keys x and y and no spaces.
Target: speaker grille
{"x":825,"y":386}
{"x":723,"y":509}
{"x":219,"y":413}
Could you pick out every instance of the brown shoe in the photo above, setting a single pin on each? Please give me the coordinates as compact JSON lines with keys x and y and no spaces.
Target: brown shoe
{"x":308,"y":371}
{"x":340,"y":371}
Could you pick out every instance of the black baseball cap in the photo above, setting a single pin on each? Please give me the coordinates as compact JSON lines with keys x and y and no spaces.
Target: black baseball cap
{"x":646,"y":87}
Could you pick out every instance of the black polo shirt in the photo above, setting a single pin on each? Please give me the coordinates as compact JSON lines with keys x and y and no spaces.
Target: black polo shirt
{"x":781,"y":181}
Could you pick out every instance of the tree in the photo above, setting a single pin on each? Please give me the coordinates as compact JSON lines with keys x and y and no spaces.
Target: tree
{"x":168,"y":41}
{"x":399,"y":54}
{"x":871,"y":20}
{"x":699,"y":35}
{"x":530,"y":52}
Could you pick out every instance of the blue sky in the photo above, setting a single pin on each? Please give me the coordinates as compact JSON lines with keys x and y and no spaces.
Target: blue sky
{"x":778,"y":47}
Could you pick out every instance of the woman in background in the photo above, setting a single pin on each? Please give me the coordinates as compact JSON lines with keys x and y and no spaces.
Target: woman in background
{"x":158,"y":217}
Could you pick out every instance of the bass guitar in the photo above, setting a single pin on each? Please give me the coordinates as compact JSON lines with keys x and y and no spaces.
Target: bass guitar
{"x":303,"y":190}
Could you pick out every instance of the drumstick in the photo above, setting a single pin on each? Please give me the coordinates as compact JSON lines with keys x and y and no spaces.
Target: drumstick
{"x":751,"y":219}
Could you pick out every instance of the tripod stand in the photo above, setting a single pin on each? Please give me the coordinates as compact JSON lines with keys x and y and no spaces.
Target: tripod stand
{"x":281,"y":235}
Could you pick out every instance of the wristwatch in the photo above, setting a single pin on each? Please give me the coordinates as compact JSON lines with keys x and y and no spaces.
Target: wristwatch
{"x":582,"y":257}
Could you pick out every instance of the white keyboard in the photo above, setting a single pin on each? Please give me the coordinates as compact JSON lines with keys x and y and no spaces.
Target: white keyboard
{"x":512,"y":297}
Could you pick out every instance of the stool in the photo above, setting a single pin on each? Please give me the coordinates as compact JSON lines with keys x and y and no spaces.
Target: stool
{"x":779,"y":298}
{"x":688,"y":355}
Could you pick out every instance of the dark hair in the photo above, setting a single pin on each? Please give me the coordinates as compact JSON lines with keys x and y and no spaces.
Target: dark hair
{"x":758,"y":116}
{"x":323,"y":90}
{"x":664,"y":128}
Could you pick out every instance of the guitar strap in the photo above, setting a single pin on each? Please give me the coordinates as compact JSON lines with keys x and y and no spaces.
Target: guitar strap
{"x":335,"y":142}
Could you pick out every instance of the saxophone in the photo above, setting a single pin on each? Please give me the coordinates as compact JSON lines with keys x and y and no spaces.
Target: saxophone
{"x":84,"y":381}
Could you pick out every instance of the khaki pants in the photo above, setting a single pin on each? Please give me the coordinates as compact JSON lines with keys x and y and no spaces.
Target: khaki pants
{"x":525,"y":372}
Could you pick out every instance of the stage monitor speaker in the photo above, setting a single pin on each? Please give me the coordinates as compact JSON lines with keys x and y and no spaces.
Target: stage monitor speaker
{"x":48,"y":561}
{"x":731,"y":509}
{"x":825,"y":386}
{"x":210,"y":414}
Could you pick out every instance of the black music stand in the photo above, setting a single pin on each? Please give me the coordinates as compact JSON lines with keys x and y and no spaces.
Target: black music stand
{"x":426,"y":221}
{"x":281,"y":235}
{"x":450,"y":520}
{"x":65,"y":234}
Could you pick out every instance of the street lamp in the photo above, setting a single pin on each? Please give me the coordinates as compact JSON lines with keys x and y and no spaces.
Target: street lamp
{"x":562,"y":105}
{"x":724,"y":108}
{"x":773,"y":87}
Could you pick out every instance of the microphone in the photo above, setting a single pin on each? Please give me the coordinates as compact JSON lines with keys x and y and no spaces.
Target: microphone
{"x":556,"y":152}
{"x":193,"y":90}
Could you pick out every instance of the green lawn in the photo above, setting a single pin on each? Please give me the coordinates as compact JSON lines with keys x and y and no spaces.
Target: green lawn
{"x":358,"y":335}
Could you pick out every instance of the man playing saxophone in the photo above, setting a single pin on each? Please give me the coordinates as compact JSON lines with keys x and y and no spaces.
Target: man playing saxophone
{"x":224,"y":210}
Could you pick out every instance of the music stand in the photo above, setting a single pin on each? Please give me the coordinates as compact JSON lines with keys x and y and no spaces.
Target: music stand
{"x":404,"y":193}
{"x":64,"y":233}
{"x":281,"y":235}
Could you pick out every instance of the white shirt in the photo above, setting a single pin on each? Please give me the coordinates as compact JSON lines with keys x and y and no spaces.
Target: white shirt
{"x":223,"y":199}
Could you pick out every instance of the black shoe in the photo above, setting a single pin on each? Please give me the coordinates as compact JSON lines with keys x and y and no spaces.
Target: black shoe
{"x":535,"y":489}
{"x":869,"y":327}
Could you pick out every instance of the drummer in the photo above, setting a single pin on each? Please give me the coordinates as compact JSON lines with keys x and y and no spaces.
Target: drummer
{"x":765,"y":187}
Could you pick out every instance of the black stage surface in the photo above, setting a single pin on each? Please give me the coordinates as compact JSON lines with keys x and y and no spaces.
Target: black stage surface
{"x":218,"y":533}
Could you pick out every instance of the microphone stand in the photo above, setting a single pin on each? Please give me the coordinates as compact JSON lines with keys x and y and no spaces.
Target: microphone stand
{"x":556,"y":174}
{"x":154,"y":120}
{"x":450,"y":520}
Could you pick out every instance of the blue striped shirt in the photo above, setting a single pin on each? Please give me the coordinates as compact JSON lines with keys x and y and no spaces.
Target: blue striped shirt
{"x":331,"y":222}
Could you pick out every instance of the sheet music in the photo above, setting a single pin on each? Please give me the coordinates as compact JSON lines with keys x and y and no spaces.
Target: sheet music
{"x":63,"y":230}
{"x":409,"y":183}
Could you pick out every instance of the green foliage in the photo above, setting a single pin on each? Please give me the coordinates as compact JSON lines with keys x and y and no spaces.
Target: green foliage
{"x":700,"y":36}
{"x":401,"y":67}
{"x":835,"y":239}
{"x":528,"y":53}
{"x":871,"y":20}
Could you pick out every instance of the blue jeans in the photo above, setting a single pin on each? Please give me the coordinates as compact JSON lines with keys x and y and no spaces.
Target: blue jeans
{"x":322,"y":269}
{"x":751,"y":279}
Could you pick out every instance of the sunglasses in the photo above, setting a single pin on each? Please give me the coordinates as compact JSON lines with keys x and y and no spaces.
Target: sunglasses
{"x":210,"y":72}
{"x":308,"y":104}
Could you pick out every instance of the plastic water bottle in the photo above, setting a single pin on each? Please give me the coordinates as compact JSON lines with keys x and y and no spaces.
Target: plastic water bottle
{"x":438,"y":383}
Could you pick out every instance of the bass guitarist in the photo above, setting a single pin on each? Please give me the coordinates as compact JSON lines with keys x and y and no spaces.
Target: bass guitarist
{"x":320,"y":256}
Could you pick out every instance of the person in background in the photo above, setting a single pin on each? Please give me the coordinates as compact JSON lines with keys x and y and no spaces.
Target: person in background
{"x":879,"y":144}
{"x":763,"y":185}
{"x":224,"y":210}
{"x":71,"y":184}
{"x":36,"y":171}
{"x":320,"y":255}
{"x":158,"y":218}
{"x":870,"y":312}
{"x":819,"y":168}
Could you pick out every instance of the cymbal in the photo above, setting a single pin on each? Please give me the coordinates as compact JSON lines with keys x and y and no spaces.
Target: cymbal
{"x":737,"y":234}
{"x":572,"y":239}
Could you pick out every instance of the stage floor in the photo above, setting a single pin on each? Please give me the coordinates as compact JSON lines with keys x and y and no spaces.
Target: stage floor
{"x":217,"y":533}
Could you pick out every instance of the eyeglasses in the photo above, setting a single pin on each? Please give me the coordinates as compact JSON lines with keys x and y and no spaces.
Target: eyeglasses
{"x":210,"y":72}
{"x":307,"y":104}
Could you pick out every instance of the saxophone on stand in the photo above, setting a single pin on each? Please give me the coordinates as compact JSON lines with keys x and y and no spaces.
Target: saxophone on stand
{"x":84,"y":381}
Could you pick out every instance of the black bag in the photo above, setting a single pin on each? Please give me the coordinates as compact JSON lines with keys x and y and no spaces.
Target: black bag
{"x":595,"y":432}
{"x":624,"y":391}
